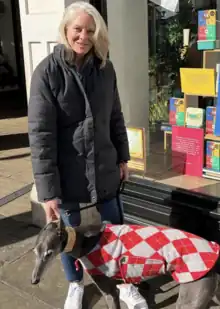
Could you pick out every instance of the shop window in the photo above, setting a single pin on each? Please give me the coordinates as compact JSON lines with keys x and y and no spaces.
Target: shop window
{"x":183,"y":140}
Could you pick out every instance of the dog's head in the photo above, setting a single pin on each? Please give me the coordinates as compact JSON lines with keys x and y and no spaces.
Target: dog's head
{"x":49,"y":244}
{"x":55,"y":238}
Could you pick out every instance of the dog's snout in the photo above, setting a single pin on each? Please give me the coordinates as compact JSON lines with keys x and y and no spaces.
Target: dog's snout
{"x":35,"y":281}
{"x":35,"y":278}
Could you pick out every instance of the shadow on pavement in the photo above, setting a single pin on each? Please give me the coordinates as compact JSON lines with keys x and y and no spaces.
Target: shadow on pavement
{"x":168,"y":295}
{"x":11,"y":112}
{"x":21,"y":156}
{"x":16,"y":228}
{"x":14,"y":141}
{"x":163,"y":285}
{"x":91,"y":296}
{"x":13,"y":104}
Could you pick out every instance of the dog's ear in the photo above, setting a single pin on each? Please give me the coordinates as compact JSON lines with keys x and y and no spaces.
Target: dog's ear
{"x":61,"y":225}
{"x":51,"y":225}
{"x":41,"y":233}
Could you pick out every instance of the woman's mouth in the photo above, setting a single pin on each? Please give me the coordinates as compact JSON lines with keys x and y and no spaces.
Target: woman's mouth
{"x":82,"y":44}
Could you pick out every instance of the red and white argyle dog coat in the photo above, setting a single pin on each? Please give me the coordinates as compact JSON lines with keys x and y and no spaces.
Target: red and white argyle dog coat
{"x":134,"y":253}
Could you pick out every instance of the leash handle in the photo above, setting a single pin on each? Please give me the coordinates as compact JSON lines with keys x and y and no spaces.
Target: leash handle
{"x":121,"y":186}
{"x":119,"y":191}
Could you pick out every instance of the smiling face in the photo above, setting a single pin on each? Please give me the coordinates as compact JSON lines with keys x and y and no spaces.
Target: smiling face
{"x":79,"y":33}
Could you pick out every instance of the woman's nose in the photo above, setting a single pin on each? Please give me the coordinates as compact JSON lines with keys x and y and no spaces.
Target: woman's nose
{"x":83,"y":34}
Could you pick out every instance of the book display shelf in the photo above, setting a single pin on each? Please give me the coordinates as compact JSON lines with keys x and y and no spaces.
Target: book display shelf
{"x":195,"y":130}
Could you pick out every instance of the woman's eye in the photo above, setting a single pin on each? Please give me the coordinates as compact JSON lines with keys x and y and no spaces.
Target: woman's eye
{"x":77,"y":29}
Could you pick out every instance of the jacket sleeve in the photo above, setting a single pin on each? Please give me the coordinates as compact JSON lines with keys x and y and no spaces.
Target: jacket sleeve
{"x":118,"y":130}
{"x":42,"y":131}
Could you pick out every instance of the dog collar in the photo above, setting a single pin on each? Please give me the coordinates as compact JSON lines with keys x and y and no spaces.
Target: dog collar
{"x":71,"y":239}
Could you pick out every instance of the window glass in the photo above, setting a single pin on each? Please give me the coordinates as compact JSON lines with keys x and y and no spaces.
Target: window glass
{"x":181,"y":108}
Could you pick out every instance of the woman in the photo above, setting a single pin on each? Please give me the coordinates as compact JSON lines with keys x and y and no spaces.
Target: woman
{"x":78,"y":139}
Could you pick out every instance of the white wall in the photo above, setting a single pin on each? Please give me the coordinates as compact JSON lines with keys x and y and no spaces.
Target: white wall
{"x":7,"y":36}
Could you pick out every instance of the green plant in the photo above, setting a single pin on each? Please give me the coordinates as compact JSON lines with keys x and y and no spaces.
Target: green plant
{"x":158,"y":109}
{"x":165,"y":64}
{"x":170,"y":40}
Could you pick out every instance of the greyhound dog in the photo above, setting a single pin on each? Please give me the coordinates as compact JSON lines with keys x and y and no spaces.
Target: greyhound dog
{"x":131,"y":254}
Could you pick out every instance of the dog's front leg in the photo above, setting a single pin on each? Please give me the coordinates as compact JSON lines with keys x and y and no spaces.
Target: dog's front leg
{"x":108,"y":289}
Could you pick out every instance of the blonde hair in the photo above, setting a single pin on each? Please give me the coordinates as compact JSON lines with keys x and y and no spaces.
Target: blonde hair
{"x":100,"y":37}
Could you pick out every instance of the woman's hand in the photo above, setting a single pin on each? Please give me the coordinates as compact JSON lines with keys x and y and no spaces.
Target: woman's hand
{"x":124,"y":173}
{"x":52,"y":210}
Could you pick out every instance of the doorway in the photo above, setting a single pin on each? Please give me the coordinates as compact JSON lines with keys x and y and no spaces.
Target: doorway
{"x":101,"y":6}
{"x":13,"y":101}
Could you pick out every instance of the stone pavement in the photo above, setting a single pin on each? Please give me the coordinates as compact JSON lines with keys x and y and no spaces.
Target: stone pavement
{"x":17,"y":235}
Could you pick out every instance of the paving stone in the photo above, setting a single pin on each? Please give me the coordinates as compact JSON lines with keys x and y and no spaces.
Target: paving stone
{"x":52,"y":289}
{"x":9,"y":185}
{"x":19,"y":209}
{"x":13,"y":298}
{"x":16,"y":239}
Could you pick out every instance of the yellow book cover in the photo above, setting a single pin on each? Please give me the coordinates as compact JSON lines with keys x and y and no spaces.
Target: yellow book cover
{"x":199,"y":82}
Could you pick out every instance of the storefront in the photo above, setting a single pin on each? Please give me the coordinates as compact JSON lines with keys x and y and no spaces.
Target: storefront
{"x":170,"y":113}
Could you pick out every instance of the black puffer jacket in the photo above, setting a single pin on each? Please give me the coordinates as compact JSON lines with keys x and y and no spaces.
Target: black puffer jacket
{"x":76,"y":146}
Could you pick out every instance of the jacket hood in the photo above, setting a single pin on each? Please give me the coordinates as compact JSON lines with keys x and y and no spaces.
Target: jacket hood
{"x":65,"y":58}
{"x":60,"y":53}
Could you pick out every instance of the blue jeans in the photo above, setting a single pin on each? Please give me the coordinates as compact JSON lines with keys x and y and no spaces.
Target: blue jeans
{"x":109,"y":211}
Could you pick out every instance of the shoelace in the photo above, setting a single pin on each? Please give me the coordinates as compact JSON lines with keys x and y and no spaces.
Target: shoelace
{"x":133,"y":292}
{"x":75,"y":289}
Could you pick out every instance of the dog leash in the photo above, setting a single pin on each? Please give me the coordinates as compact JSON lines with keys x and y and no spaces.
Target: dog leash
{"x":119,"y":191}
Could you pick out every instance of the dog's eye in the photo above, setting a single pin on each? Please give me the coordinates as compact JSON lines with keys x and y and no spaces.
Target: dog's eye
{"x":48,"y":253}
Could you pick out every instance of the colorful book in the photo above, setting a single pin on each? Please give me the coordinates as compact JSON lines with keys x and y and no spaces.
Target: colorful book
{"x":206,"y":30}
{"x":207,"y":25}
{"x":210,"y":119}
{"x":177,"y":111}
{"x":213,"y":155}
{"x":195,"y":117}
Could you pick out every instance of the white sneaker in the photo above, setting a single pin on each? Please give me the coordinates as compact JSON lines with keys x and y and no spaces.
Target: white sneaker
{"x":74,"y":296}
{"x":130,"y":295}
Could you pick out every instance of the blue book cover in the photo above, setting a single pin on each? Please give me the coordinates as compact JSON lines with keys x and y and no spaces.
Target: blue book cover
{"x":217,"y":120}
